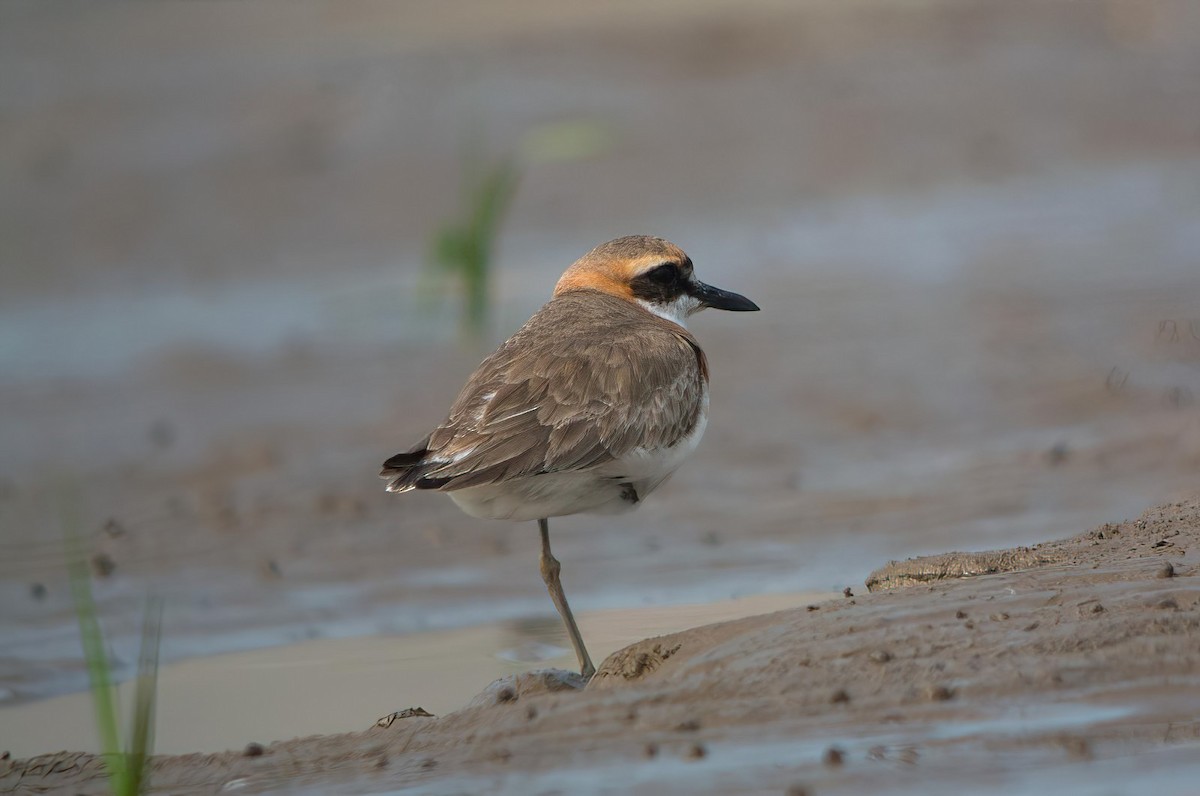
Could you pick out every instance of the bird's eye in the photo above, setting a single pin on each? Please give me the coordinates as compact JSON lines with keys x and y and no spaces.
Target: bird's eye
{"x":664,"y":274}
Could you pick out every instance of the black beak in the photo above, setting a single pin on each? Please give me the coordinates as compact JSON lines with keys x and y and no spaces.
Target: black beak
{"x":719,"y":299}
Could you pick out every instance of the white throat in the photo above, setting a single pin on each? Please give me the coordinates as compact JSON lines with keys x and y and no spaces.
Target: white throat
{"x":676,"y":312}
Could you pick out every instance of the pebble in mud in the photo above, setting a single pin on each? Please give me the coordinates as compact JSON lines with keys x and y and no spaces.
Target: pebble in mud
{"x":840,"y":697}
{"x":880,"y":656}
{"x":696,"y":751}
{"x":1167,"y":570}
{"x":650,"y":750}
{"x":834,"y":757}
{"x":253,"y":749}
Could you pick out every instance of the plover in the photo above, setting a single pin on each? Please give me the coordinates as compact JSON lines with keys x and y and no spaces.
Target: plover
{"x":589,"y":407}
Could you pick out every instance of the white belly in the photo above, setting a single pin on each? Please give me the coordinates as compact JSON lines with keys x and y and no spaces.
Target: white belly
{"x":599,"y":490}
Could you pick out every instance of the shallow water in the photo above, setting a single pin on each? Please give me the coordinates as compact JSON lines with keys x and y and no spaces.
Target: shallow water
{"x":1061,"y":220}
{"x":214,"y":703}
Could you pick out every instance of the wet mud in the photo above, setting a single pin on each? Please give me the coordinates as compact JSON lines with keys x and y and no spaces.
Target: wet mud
{"x":1084,"y":668}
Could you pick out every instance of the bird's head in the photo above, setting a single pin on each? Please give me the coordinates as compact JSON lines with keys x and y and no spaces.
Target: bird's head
{"x":651,"y":272}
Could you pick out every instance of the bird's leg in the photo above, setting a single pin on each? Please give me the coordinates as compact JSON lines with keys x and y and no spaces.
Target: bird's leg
{"x":550,"y":568}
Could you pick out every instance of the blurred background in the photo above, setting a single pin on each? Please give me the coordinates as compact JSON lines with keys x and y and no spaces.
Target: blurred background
{"x":252,"y":249}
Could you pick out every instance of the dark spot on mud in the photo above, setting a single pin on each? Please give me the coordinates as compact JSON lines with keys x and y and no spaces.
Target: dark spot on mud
{"x":428,"y":764}
{"x":880,"y":656}
{"x":846,"y":592}
{"x":650,"y":750}
{"x":531,"y":713}
{"x":696,"y":751}
{"x":505,"y":695}
{"x":834,"y":757}
{"x":1167,"y":570}
{"x":1000,"y":617}
{"x":253,"y":749}
{"x":103,"y":565}
{"x":812,"y":608}
{"x":1031,"y":626}
{"x":1077,"y":748}
{"x":691,"y":725}
{"x":1057,"y":454}
{"x":840,"y":697}
{"x":37,"y":591}
{"x":960,"y":614}
{"x":940,"y":693}
{"x":797,"y":790}
{"x":1168,"y":604}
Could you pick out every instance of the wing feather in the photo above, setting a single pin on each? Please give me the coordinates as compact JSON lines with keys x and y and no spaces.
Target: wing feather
{"x":612,"y":377}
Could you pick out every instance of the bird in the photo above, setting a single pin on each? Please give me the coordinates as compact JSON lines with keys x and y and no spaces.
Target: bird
{"x":588,"y":408}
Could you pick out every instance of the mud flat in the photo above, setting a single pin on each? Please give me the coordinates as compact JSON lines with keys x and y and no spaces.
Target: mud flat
{"x":1078,"y":673}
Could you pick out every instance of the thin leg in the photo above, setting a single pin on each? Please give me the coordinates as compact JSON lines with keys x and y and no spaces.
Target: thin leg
{"x":550,"y":569}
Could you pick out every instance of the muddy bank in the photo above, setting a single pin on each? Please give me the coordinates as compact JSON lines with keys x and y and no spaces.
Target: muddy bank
{"x":1076,"y":673}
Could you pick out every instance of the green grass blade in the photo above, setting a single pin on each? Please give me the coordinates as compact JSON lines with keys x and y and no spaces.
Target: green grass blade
{"x":104,"y":701}
{"x":141,"y":740}
{"x":463,"y":248}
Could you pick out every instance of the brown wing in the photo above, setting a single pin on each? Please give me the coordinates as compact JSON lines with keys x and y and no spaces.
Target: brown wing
{"x":584,"y":382}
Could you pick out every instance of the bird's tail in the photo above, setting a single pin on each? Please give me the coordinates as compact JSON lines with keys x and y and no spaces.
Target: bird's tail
{"x":405,"y":470}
